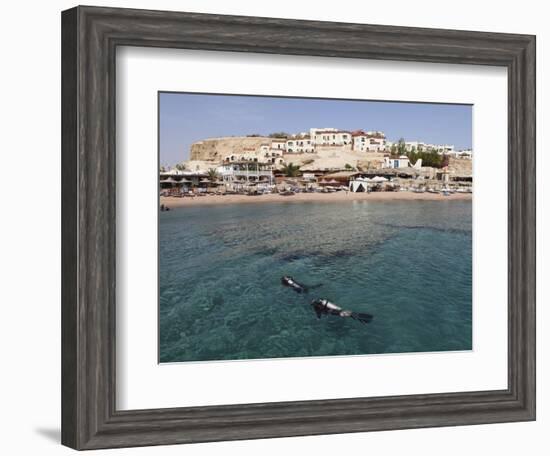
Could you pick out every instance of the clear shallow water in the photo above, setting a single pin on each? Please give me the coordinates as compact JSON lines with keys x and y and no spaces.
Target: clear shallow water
{"x":407,"y":263}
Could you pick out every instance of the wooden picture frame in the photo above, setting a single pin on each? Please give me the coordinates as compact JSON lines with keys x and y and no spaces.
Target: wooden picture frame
{"x":90,"y":36}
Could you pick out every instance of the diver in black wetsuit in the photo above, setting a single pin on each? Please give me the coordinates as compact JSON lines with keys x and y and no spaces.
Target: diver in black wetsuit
{"x":288,"y":281}
{"x":325,"y":307}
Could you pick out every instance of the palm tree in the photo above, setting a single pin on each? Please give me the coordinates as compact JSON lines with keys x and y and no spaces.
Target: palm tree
{"x":213,"y":174}
{"x":290,"y":170}
{"x":180,"y":167}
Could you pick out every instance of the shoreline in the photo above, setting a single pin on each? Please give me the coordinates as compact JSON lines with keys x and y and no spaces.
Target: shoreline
{"x":210,"y":200}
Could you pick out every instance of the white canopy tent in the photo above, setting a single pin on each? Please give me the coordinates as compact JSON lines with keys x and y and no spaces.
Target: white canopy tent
{"x":358,"y":185}
{"x":361,"y":183}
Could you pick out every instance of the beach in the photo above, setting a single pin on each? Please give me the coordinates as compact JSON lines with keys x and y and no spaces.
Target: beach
{"x":172,"y":202}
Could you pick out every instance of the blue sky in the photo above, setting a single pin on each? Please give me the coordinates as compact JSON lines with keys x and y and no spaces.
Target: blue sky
{"x":186,"y":118}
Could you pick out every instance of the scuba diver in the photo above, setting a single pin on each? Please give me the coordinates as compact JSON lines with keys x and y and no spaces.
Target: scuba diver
{"x":288,"y":281}
{"x":325,"y":307}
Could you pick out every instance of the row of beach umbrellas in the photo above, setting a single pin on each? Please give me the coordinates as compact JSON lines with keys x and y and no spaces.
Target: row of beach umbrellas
{"x":375,"y":179}
{"x":170,"y":180}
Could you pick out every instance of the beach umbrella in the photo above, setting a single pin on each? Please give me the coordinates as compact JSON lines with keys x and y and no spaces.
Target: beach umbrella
{"x":379,"y":179}
{"x":170,"y":180}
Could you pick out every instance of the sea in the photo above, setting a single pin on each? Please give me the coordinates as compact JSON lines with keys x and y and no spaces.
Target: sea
{"x":407,"y":263}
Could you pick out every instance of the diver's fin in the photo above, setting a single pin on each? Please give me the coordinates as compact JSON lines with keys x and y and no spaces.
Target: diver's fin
{"x":362,"y":317}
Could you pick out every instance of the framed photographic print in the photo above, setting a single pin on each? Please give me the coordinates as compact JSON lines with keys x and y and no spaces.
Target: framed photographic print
{"x":280,"y":228}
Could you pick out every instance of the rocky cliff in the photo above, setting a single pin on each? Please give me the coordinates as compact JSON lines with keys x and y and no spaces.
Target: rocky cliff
{"x":216,"y":149}
{"x":460,"y":166}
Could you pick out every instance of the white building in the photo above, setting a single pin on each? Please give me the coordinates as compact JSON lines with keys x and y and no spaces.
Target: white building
{"x":330,"y":137}
{"x":419,"y":146}
{"x":466,"y":154}
{"x":401,"y":162}
{"x":377,"y":141}
{"x":245,"y":172}
{"x":360,"y":141}
{"x":240,"y":157}
{"x":309,"y":176}
{"x":371,"y":141}
{"x":416,"y":146}
{"x":446,"y":148}
{"x":278,"y":144}
{"x":300,"y":145}
{"x":274,"y":156}
{"x":269,"y":155}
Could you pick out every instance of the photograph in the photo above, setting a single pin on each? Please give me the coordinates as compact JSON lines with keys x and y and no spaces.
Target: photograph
{"x":312,"y":227}
{"x":274,"y":228}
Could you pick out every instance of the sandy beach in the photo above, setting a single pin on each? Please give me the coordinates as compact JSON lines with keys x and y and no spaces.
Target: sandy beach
{"x":335,"y":197}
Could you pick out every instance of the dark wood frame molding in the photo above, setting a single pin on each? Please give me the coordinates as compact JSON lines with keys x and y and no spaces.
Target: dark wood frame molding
{"x":90,"y":36}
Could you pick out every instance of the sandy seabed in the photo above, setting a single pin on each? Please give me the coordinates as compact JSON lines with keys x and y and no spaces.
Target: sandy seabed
{"x":313,"y":197}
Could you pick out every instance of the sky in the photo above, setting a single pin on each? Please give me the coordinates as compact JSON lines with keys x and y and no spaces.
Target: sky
{"x":185,"y":118}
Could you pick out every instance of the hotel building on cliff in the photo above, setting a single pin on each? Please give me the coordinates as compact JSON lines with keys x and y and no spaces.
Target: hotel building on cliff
{"x":370,"y":141}
{"x":329,"y":137}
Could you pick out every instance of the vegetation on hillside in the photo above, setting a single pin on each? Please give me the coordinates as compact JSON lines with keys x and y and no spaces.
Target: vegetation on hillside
{"x":398,"y":148}
{"x":429,"y":157}
{"x":279,"y":134}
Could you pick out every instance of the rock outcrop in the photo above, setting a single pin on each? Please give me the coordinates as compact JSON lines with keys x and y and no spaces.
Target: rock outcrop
{"x":460,"y":167}
{"x":215,"y":149}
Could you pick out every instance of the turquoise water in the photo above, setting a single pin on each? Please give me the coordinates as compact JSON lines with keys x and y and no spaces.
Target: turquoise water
{"x":407,"y":263}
